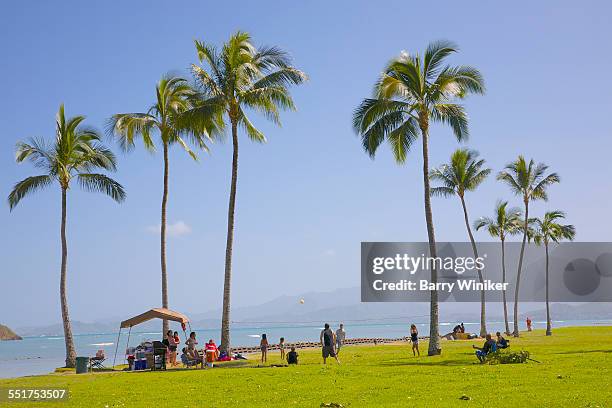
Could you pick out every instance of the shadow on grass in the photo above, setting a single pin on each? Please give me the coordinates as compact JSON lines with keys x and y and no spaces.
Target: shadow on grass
{"x":423,"y":362}
{"x":583,"y":351}
{"x":228,"y":364}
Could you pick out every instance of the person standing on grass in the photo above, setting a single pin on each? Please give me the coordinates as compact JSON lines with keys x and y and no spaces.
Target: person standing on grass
{"x":340,"y":336}
{"x":263,"y":345}
{"x":414,"y":339}
{"x":281,"y":347}
{"x":172,"y":345}
{"x":528,"y":324}
{"x":328,"y":340}
{"x":192,"y":347}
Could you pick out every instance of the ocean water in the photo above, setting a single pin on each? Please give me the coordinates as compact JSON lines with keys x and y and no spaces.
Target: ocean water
{"x":41,"y":355}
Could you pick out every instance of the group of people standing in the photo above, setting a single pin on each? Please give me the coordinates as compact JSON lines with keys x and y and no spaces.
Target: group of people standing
{"x":331,"y":342}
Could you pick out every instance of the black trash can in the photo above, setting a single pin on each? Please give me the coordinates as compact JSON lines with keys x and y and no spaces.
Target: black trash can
{"x":82,"y":365}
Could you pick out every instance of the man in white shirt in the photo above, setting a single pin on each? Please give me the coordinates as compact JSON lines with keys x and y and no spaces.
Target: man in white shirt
{"x":340,"y":336}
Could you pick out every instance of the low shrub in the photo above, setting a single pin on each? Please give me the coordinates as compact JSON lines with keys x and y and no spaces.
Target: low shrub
{"x":508,"y":357}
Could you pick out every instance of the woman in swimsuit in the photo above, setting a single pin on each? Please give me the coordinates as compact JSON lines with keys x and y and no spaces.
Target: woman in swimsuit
{"x":171,"y":348}
{"x":281,"y":347}
{"x":263,"y":345}
{"x":414,"y":339}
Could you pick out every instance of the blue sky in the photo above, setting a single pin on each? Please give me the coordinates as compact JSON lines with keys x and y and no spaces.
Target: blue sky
{"x":308,"y":197}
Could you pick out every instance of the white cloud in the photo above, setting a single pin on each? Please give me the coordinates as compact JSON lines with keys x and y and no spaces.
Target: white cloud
{"x":330,"y":252}
{"x":173,"y":230}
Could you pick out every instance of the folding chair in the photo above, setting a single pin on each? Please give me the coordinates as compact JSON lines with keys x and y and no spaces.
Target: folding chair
{"x":190,"y":362}
{"x":97,"y":361}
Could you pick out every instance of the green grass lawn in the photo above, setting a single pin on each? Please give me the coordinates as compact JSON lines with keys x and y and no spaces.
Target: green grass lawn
{"x":575,"y":371}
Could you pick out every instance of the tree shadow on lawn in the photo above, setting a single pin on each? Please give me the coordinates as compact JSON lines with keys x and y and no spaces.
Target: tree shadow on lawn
{"x":425,"y":361}
{"x":583,"y":351}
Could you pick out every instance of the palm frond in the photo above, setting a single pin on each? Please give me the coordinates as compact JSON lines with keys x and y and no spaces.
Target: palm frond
{"x":127,"y":126}
{"x":253,"y":133}
{"x":453,"y":115}
{"x":458,"y":81}
{"x":539,"y":190}
{"x":281,"y":78}
{"x":442,"y":191}
{"x":94,"y":182}
{"x":36,"y":151}
{"x":507,"y":178}
{"x":27,"y":186}
{"x":435,"y":53}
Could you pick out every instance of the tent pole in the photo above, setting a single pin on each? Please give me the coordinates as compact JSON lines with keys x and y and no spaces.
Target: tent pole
{"x":128,"y":341}
{"x":117,"y":347}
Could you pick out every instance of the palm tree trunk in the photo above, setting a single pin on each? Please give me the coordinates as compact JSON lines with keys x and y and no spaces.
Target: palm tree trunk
{"x":225,"y":319}
{"x":164,"y":275}
{"x":70,"y":351}
{"x":483,"y":321}
{"x":503,"y":249}
{"x":434,"y":335}
{"x":518,"y":273}
{"x":548,"y":321}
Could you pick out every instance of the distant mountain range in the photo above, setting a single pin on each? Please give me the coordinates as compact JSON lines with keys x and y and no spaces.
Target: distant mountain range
{"x":341,"y":305}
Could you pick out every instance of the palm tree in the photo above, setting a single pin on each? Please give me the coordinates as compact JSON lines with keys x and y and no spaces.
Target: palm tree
{"x":547,"y":230}
{"x":234,"y":79}
{"x":463,"y":173}
{"x":412,"y":92}
{"x":76,"y":152}
{"x":529,"y":181}
{"x":505,"y":223}
{"x":174,"y":96}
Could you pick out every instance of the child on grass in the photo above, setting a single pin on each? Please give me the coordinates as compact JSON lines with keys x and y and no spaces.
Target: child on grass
{"x":292,"y":356}
{"x":281,"y":347}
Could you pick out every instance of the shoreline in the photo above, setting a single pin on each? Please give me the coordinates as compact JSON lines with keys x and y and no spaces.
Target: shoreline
{"x":39,"y":356}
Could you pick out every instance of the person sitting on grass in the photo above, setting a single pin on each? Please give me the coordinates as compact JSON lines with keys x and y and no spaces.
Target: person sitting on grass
{"x":489,"y":347}
{"x":188,"y":359}
{"x":292,"y":356}
{"x":502,"y":343}
{"x":212,"y":353}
